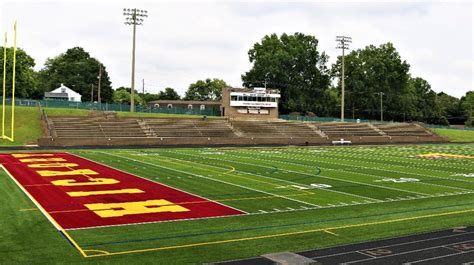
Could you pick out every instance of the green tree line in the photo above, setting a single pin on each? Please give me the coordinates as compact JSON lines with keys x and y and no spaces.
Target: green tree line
{"x":292,"y":63}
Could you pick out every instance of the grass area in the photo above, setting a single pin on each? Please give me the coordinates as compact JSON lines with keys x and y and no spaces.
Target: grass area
{"x":456,"y":135}
{"x":27,"y":126}
{"x":66,"y":112}
{"x":292,"y":196}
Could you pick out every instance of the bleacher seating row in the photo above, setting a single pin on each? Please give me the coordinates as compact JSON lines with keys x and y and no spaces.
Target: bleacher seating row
{"x":97,"y":127}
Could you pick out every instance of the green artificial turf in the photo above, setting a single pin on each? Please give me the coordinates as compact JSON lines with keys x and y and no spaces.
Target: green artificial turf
{"x":370,"y":193}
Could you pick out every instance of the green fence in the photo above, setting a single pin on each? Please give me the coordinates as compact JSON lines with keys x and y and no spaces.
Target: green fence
{"x":328,"y":119}
{"x":109,"y":107}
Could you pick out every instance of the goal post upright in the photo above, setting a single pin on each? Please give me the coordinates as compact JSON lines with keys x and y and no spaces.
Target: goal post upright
{"x":13,"y":84}
{"x":12,"y":136}
{"x":4,"y":82}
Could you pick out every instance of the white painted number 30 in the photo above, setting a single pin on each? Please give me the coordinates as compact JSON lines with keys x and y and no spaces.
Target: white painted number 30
{"x":399,"y":180}
{"x":320,"y":186}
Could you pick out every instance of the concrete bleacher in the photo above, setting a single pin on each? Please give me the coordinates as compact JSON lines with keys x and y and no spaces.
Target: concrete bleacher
{"x":336,"y":129}
{"x":92,"y":127}
{"x":403,"y":129}
{"x":273,"y":129}
{"x":108,"y":129}
{"x":190,"y":127}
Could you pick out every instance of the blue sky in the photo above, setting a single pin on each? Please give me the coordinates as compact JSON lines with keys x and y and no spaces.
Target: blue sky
{"x":183,"y":41}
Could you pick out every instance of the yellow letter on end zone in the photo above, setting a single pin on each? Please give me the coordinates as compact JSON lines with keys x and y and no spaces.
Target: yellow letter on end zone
{"x":51,"y":173}
{"x":106,"y":210}
{"x":53,"y":159}
{"x":53,"y":165}
{"x":90,"y":181}
{"x":102,"y":192}
{"x":30,"y":155}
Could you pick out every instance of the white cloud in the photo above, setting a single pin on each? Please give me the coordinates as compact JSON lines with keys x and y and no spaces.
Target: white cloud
{"x":182,"y":42}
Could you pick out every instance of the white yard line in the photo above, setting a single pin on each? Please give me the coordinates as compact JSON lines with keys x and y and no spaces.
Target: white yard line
{"x":382,"y":161}
{"x":370,"y":175}
{"x":321,"y":176}
{"x":208,"y":178}
{"x":282,"y":180}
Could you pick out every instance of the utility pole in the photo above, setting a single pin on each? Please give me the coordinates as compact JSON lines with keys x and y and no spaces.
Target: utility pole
{"x":143,"y":93}
{"x":98,"y":86}
{"x":92,"y":93}
{"x":381,"y":105}
{"x":134,"y":17}
{"x":343,"y":43}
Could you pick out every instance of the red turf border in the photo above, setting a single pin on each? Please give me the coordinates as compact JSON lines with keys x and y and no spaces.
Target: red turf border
{"x":71,"y":212}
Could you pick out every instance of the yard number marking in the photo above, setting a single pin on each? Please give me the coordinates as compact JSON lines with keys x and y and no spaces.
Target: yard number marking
{"x":400,"y":180}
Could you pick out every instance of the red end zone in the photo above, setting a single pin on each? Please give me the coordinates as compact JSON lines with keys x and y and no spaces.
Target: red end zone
{"x":79,"y":193}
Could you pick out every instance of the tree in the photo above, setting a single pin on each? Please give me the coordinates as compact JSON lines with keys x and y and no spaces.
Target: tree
{"x":292,"y":64}
{"x":427,"y":103}
{"x":25,"y":80}
{"x":168,"y":94}
{"x":206,"y":90}
{"x":150,"y":97}
{"x":372,"y":70}
{"x":78,"y":70}
{"x":467,"y":104}
{"x":451,"y":108}
{"x":122,"y":96}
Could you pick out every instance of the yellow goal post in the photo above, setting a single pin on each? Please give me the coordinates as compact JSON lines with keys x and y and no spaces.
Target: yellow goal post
{"x":12,"y":134}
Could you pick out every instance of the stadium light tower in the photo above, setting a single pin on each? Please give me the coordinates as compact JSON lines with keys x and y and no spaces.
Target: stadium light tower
{"x":343,"y":44}
{"x":133,"y":17}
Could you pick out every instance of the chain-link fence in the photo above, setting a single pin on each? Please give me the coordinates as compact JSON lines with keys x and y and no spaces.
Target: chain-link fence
{"x":109,"y":107}
{"x":328,"y":119}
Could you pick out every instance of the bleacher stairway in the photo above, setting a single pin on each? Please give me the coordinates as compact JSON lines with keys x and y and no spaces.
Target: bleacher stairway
{"x":108,"y":129}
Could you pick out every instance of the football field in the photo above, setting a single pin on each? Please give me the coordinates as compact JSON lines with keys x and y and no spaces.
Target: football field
{"x":216,"y":204}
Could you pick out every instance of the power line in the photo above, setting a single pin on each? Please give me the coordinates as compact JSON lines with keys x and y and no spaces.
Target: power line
{"x":133,"y":17}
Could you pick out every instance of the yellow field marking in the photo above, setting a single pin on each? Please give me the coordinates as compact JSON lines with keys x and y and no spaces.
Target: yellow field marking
{"x":70,"y":211}
{"x":48,"y":216}
{"x":329,"y":232}
{"x":442,"y":155}
{"x":97,"y":250}
{"x":29,"y":209}
{"x":230,"y":171}
{"x":282,"y":234}
{"x":102,"y":192}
